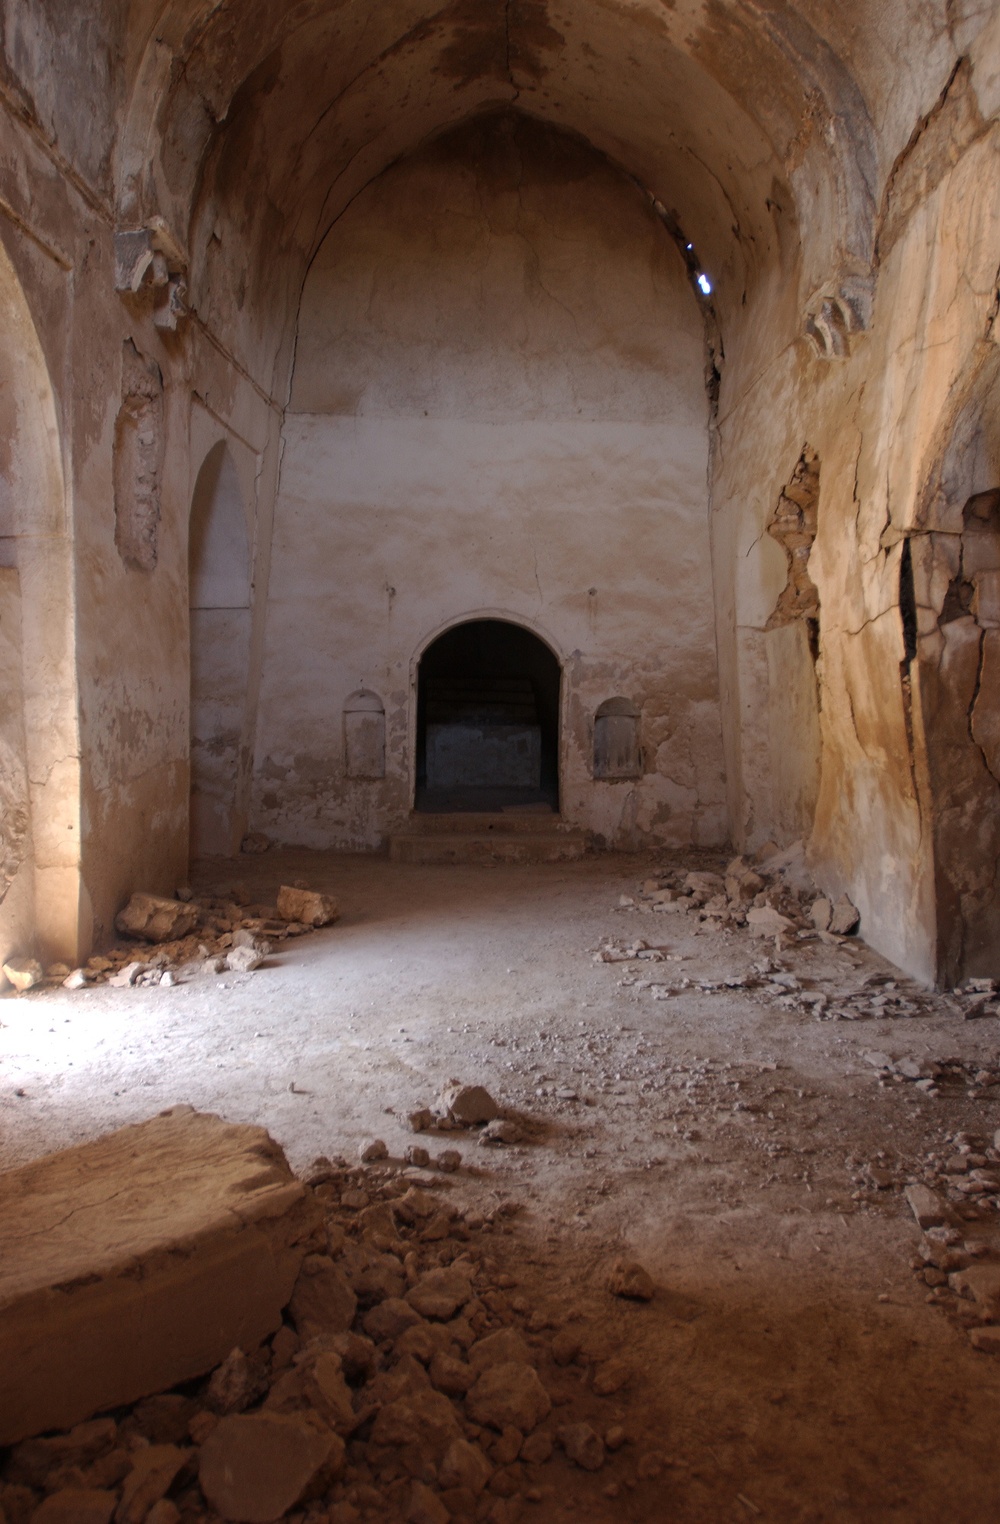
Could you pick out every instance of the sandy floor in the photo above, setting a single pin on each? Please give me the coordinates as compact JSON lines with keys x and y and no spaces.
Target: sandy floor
{"x":790,"y":1367}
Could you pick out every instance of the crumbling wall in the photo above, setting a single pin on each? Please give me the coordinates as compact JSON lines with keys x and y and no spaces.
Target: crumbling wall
{"x":138,"y":463}
{"x":497,"y":410}
{"x":879,"y":414}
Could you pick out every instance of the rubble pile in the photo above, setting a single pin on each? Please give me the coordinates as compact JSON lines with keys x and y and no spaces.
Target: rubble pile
{"x":771,"y":895}
{"x":962,"y":1273}
{"x":171,"y":941}
{"x":937,"y":1076}
{"x":409,"y":1382}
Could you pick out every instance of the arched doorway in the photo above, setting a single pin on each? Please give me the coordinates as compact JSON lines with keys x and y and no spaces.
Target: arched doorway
{"x":219,"y":591}
{"x":40,"y":900}
{"x":488,"y":720}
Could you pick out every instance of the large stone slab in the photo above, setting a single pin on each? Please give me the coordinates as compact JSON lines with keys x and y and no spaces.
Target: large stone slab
{"x":140,"y":1260}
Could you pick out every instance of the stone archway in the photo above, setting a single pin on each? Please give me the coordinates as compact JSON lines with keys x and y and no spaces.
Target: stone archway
{"x":219,"y":598}
{"x":39,"y":736}
{"x":488,"y":695}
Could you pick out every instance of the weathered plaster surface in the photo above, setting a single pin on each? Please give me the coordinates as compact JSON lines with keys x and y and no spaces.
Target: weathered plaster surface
{"x":497,"y":405}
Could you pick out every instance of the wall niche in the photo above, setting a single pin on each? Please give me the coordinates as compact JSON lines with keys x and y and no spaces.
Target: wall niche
{"x":616,"y":740}
{"x":364,"y":735}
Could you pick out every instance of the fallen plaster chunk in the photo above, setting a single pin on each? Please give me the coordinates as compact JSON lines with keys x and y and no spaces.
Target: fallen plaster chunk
{"x":306,"y":906}
{"x":927,"y":1206}
{"x":138,"y":1261}
{"x":151,"y":918}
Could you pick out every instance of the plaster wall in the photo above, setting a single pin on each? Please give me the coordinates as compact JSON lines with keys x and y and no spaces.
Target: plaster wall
{"x":497,"y":409}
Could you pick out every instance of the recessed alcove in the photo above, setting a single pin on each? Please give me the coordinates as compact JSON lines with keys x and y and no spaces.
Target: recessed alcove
{"x":488,"y":720}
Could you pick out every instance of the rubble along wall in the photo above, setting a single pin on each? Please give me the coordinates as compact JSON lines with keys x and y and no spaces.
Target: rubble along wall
{"x":498,"y":408}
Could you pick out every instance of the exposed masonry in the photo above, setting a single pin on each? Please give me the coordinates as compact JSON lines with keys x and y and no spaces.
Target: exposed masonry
{"x":793,"y":525}
{"x":138,"y":460}
{"x":950,"y":607}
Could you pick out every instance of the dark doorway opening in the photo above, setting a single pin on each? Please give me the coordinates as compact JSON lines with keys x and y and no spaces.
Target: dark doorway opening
{"x":488,"y":720}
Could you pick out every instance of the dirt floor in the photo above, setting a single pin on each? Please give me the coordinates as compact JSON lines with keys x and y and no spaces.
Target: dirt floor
{"x":795,"y":1364}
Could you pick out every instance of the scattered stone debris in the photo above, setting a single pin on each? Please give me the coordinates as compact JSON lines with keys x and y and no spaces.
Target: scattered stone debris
{"x":171,"y":942}
{"x":406,"y":1382}
{"x":772,"y":895}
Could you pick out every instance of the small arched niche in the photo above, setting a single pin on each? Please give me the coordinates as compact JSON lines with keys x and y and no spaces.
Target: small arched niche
{"x":364,"y":735}
{"x":219,"y":592}
{"x":616,"y":739}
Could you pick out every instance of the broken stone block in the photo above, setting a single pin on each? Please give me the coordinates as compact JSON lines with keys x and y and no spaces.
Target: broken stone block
{"x":765,"y":921}
{"x":243,"y":960}
{"x":927,"y":1206}
{"x":845,"y":917}
{"x":77,"y":980}
{"x":583,"y":1445}
{"x":440,"y":1293}
{"x":236,"y":1384}
{"x":465,"y":1465}
{"x":418,"y":1156}
{"x":610,"y":1377}
{"x":139,"y":1261}
{"x":254,"y":1467}
{"x":509,"y":1395}
{"x":153,"y":1470}
{"x":627,"y":1278}
{"x":425,"y":1506}
{"x":322,"y":1301}
{"x":978,"y":1283}
{"x":449,"y":1161}
{"x":986,"y":1340}
{"x":419,"y":1121}
{"x":30,"y":1462}
{"x":372,"y":1151}
{"x":821,"y":913}
{"x":426,"y":1420}
{"x":306,"y":906}
{"x":76,"y":1505}
{"x":505,"y":1347}
{"x":23,"y":973}
{"x":151,"y":918}
{"x":469,"y":1105}
{"x":390,"y":1319}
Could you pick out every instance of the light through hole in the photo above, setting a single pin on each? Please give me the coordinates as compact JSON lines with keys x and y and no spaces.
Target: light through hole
{"x":704,"y":284}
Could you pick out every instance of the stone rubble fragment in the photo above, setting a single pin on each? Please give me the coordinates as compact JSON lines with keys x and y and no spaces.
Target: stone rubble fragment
{"x":254,"y":1467}
{"x":306,"y":906}
{"x":627,"y":1278}
{"x":23,"y":973}
{"x":469,"y":1105}
{"x":152,"y":918}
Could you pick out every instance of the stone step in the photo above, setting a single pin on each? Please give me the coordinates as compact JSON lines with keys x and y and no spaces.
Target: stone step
{"x":488,"y":846}
{"x":533,"y":821}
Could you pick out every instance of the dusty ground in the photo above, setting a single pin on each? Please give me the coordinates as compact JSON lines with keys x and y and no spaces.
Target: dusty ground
{"x":790,"y":1367}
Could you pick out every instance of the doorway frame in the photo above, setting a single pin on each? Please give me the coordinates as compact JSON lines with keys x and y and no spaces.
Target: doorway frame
{"x":505,"y":616}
